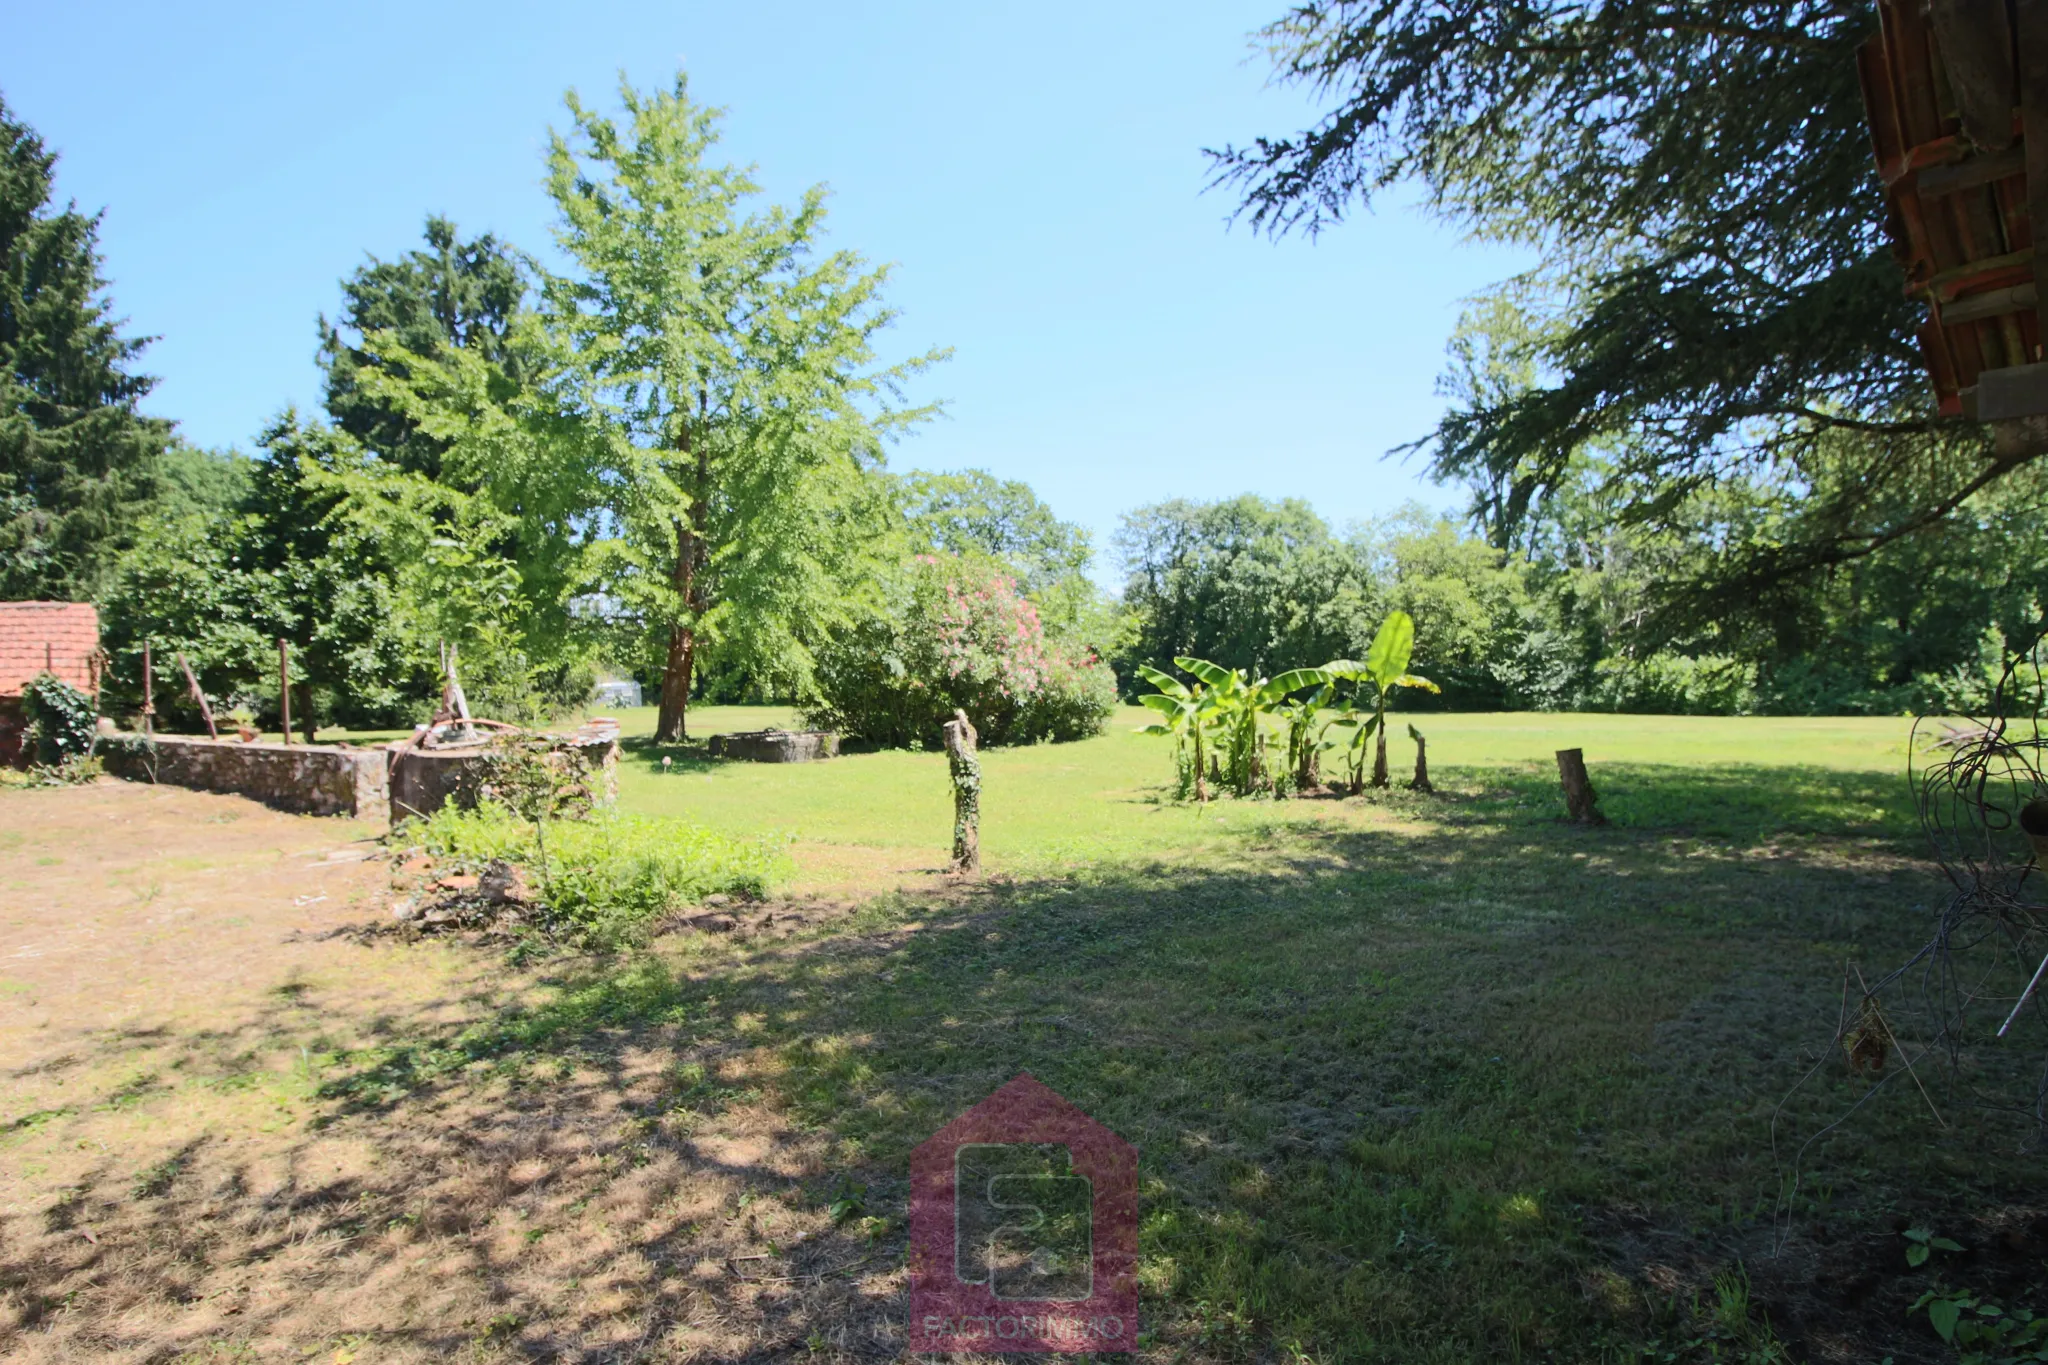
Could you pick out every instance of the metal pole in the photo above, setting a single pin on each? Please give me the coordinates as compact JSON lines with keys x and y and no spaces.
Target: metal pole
{"x":284,"y":688}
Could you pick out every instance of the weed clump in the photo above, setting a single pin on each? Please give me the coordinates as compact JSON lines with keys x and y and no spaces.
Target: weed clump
{"x":610,"y":878}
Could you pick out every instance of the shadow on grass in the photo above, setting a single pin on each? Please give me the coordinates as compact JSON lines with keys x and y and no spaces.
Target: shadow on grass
{"x":685,"y":759}
{"x":1501,"y":1088}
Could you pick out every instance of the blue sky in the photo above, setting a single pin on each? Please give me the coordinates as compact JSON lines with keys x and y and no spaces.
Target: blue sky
{"x":1035,"y":175}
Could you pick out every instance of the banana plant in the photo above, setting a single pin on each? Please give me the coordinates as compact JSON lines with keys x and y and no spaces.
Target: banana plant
{"x":1238,"y":710}
{"x":1235,"y":710}
{"x":1184,"y":712}
{"x":1384,"y":669}
{"x":1306,"y":720}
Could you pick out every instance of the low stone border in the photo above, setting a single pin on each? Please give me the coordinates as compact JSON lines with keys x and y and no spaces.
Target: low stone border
{"x":316,"y":779}
{"x":776,"y":746}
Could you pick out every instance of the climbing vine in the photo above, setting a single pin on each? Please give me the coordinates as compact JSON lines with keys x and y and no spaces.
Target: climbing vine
{"x":63,"y":720}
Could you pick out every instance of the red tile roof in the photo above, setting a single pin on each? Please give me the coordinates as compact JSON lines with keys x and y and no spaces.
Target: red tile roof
{"x":62,"y":636}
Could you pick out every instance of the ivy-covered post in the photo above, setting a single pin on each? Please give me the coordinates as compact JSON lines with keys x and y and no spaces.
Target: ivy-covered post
{"x":966,"y":770}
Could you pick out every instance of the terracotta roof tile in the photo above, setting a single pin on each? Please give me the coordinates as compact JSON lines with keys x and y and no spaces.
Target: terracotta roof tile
{"x":60,"y":635}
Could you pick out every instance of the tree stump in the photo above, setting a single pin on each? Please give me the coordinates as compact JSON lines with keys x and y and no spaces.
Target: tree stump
{"x":1579,"y":796}
{"x":966,"y":770}
{"x":1421,"y":782}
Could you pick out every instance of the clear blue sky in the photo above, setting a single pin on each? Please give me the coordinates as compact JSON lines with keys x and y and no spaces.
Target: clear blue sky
{"x":1034,"y":172}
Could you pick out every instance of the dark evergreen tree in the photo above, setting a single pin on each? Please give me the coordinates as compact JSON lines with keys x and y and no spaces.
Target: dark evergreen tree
{"x":76,"y":457}
{"x":1720,"y":295}
{"x":454,"y":293}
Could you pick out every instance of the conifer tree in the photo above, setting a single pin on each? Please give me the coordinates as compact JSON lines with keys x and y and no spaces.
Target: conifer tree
{"x":76,"y":458}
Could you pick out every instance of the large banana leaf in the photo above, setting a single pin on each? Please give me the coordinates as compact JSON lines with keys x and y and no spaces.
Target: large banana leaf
{"x":1417,"y":680}
{"x":1387,"y":661}
{"x":1294,"y":680}
{"x":1214,"y":674}
{"x":1164,"y":705}
{"x":1163,"y":681}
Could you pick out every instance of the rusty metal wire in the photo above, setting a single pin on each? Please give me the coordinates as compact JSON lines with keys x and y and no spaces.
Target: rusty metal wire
{"x":1979,"y":985}
{"x":1981,"y":979}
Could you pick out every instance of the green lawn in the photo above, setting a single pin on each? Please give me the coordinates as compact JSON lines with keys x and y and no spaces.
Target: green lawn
{"x":1045,"y":806}
{"x":1414,"y":1079}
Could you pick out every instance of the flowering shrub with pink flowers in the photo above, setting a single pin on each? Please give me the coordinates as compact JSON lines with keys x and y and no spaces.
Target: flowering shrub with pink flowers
{"x":960,"y":634}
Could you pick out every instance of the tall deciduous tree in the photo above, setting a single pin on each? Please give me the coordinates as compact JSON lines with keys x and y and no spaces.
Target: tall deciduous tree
{"x":75,"y":455}
{"x":736,"y":368}
{"x":974,"y":512}
{"x":1719,"y":295}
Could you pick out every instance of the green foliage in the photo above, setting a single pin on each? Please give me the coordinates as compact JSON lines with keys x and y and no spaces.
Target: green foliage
{"x":610,"y":877}
{"x":1674,"y":685}
{"x":1250,"y":584}
{"x":1921,"y":1243}
{"x":1982,"y":1331}
{"x":181,"y":587}
{"x":959,"y":634}
{"x":729,"y":365}
{"x":75,"y":454}
{"x":1385,"y":668}
{"x":1224,"y":723}
{"x":1716,"y":297}
{"x":63,"y":721}
{"x":454,"y":295}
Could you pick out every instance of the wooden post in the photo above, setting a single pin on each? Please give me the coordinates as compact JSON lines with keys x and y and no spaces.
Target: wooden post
{"x":966,"y":770}
{"x":148,"y":704}
{"x":1421,"y":782}
{"x":1579,"y":796}
{"x":284,"y":689}
{"x":205,"y":711}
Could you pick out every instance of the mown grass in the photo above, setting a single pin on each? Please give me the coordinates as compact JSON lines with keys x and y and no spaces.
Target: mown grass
{"x":1415,"y":1079}
{"x":1046,"y":806}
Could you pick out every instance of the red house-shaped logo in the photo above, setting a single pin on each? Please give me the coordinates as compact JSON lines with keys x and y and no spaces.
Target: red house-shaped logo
{"x":1024,"y":1230}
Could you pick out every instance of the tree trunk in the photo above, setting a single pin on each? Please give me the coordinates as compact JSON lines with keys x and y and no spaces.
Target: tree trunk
{"x":303,"y":706}
{"x":966,"y":771}
{"x":1379,"y":757}
{"x":672,"y":724}
{"x":670,"y":727}
{"x":1579,"y":796}
{"x":1421,"y":782}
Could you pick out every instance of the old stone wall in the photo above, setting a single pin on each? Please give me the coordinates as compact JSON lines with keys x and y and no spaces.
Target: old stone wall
{"x":776,"y":746}
{"x":424,"y":780}
{"x":319,"y":779}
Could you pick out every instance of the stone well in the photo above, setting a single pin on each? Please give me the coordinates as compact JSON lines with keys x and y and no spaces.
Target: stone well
{"x":424,"y":780}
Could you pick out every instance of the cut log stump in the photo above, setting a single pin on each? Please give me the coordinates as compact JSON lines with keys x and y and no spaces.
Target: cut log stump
{"x":1580,"y":800}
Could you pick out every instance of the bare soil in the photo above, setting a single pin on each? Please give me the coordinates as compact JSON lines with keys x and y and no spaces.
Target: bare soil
{"x":177,"y":970}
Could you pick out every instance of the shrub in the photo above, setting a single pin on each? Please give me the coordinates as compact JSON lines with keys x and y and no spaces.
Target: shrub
{"x":1675,"y":685}
{"x":960,"y":635}
{"x":62,"y":719}
{"x":610,"y":877}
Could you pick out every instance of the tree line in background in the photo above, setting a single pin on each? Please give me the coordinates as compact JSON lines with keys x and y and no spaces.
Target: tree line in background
{"x":665,"y":461}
